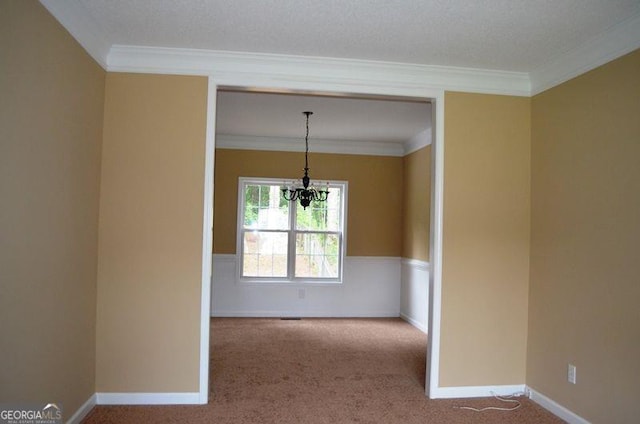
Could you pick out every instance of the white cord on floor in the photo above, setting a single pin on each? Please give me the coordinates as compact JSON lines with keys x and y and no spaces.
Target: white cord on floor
{"x":506,"y":398}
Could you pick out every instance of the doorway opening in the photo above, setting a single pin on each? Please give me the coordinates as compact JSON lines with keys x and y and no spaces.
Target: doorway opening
{"x":432,"y":98}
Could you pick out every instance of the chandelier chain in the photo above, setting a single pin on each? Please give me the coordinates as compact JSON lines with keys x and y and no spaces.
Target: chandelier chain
{"x":306,"y":141}
{"x":305,"y":194}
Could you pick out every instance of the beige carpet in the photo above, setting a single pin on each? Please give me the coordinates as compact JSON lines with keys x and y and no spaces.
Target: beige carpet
{"x":319,"y":371}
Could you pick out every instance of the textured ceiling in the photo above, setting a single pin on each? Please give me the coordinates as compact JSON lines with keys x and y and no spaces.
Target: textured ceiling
{"x":506,"y":35}
{"x":334,"y":118}
{"x":514,"y":35}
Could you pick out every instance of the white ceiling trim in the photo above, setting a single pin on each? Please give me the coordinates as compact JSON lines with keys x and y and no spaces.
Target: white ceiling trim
{"x":81,"y":27}
{"x":282,"y":144}
{"x":418,"y":141}
{"x":224,"y":65}
{"x":617,"y":41}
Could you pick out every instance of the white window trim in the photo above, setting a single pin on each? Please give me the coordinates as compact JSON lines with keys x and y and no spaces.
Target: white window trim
{"x":292,"y":280}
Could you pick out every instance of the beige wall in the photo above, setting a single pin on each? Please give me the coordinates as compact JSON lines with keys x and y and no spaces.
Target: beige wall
{"x":374,"y":204}
{"x":583,"y":290}
{"x":51,"y":106}
{"x":585,"y":284}
{"x":150,"y":249}
{"x":485,"y":240}
{"x":416,"y":201}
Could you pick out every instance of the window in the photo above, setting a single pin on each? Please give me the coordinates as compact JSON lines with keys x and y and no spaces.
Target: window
{"x":279,"y":241}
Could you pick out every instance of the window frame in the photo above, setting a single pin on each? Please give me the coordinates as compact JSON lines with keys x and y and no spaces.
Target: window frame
{"x":292,"y":232}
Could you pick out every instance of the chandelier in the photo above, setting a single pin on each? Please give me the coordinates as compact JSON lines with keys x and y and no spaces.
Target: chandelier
{"x":305,"y":194}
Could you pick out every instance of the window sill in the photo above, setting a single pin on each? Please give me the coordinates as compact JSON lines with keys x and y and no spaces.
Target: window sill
{"x":292,"y":283}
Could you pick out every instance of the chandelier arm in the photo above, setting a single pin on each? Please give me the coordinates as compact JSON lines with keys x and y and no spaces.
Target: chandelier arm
{"x":290,"y":195}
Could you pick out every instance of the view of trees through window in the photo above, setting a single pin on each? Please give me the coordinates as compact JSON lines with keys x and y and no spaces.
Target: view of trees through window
{"x":280,"y":238}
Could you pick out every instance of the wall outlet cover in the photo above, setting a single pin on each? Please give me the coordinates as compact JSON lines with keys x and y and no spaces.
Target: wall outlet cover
{"x":571,"y":374}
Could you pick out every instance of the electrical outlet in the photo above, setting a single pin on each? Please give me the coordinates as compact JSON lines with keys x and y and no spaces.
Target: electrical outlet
{"x":571,"y":374}
{"x":301,"y":293}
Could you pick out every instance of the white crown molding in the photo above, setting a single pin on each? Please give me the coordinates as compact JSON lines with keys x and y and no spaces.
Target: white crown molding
{"x":418,"y":141}
{"x":347,"y":147}
{"x":227,"y":67}
{"x":81,"y":27}
{"x":617,"y":41}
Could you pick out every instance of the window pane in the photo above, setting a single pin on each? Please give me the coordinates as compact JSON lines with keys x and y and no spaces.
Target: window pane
{"x":264,"y":254}
{"x":317,"y":255}
{"x":321,"y":216}
{"x":264,"y":208}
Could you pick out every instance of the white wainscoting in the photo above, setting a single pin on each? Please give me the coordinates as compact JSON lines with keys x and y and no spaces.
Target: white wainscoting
{"x":370,"y":288}
{"x":414,"y":293}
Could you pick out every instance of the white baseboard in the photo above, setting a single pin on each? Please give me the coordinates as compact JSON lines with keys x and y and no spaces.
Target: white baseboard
{"x":414,"y":322}
{"x":555,"y":408}
{"x":306,"y":314}
{"x":476,"y":391}
{"x":83,"y":410}
{"x":186,"y":398}
{"x":486,"y":391}
{"x":440,"y":393}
